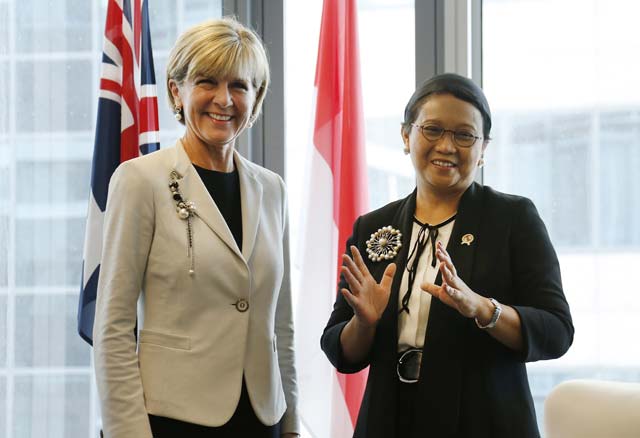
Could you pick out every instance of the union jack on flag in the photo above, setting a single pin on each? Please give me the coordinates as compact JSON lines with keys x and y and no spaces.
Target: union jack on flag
{"x":127,"y":127}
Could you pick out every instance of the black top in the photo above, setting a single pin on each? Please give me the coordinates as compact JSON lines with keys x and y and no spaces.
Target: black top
{"x":224,"y":188}
{"x":470,"y":384}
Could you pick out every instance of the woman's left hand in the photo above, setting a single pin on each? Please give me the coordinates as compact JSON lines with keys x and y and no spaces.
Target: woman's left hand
{"x":453,"y":291}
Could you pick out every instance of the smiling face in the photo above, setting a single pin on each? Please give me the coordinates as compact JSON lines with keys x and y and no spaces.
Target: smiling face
{"x":216,"y":111}
{"x":442,"y":167}
{"x":217,"y":77}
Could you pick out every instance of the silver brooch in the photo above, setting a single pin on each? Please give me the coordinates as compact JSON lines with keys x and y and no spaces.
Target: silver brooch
{"x":186,"y":210}
{"x":384,"y":244}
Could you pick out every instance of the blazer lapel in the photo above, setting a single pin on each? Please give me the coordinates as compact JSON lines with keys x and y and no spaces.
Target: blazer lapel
{"x":445,"y":324}
{"x":403,"y":219}
{"x":251,"y":201}
{"x":462,"y":244}
{"x":193,"y":189}
{"x":461,"y":248}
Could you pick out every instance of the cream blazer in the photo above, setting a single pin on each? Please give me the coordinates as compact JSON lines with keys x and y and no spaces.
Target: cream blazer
{"x":195,"y":343}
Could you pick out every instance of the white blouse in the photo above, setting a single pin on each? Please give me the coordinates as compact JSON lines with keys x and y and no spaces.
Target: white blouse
{"x":412,"y":326}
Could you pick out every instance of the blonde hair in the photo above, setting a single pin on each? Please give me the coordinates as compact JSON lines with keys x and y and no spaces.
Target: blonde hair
{"x":221,"y":48}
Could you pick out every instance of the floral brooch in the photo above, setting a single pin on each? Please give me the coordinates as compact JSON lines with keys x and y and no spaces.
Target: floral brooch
{"x":186,"y":210}
{"x":384,"y":244}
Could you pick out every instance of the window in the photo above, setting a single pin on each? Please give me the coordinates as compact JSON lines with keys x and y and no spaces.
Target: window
{"x":561,"y":84}
{"x":388,"y":78}
{"x":50,"y":53}
{"x":387,"y":83}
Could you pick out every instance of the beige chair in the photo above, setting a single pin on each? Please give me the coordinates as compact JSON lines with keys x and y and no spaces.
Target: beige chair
{"x":593,"y":409}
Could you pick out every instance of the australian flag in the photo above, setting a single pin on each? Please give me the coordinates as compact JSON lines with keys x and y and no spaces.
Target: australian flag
{"x":127,"y":127}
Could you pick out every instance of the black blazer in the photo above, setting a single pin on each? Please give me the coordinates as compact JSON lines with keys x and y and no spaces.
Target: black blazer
{"x":470,"y":384}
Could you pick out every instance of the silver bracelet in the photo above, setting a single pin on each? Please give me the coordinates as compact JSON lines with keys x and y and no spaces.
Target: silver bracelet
{"x":494,"y":318}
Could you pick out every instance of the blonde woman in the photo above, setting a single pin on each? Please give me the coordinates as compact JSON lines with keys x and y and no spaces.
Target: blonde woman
{"x":197,"y":231}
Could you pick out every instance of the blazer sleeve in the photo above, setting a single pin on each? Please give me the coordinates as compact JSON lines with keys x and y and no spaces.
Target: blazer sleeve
{"x":285,"y":332}
{"x":340,"y":316}
{"x":547,"y":328}
{"x":128,"y":231}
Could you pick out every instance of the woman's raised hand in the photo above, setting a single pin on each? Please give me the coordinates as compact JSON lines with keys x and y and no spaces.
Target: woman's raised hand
{"x":453,"y":291}
{"x":367,"y":298}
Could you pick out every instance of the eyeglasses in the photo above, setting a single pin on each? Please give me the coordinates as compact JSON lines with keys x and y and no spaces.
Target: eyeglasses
{"x":464,"y":139}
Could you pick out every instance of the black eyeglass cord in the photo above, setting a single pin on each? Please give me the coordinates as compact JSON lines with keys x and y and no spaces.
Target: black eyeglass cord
{"x":428,"y":233}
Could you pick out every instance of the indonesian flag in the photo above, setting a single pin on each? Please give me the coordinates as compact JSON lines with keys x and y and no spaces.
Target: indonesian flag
{"x":127,"y":127}
{"x":336,"y":196}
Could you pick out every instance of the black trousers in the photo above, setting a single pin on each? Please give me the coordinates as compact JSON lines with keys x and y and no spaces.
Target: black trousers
{"x":243,"y":423}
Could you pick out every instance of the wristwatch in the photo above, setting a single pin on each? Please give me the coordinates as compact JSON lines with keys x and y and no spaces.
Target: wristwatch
{"x":494,"y":318}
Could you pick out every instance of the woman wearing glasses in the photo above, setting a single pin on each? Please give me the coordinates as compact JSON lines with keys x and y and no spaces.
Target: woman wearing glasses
{"x":446,"y":294}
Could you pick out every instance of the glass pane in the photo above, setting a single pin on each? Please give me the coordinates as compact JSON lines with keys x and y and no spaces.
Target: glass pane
{"x":54,"y":96}
{"x":3,"y":332}
{"x":567,"y":135}
{"x":53,"y":26}
{"x":3,"y":403}
{"x":59,"y":402}
{"x":49,"y":252}
{"x":46,"y":332}
{"x":34,"y":181}
{"x":620,"y":214}
{"x":4,"y":28}
{"x":4,"y":95}
{"x":199,"y":10}
{"x":389,"y":168}
{"x":4,"y":181}
{"x":4,"y":246}
{"x":162,"y":21}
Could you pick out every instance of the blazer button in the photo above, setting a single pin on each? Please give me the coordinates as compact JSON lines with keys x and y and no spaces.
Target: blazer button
{"x":242,"y":305}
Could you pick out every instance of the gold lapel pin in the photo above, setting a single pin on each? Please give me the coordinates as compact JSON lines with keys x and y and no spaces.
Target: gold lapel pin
{"x":467,"y":239}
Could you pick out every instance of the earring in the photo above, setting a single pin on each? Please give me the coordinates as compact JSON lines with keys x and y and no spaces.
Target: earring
{"x":481,"y":161}
{"x":406,"y":150}
{"x":177,"y":112}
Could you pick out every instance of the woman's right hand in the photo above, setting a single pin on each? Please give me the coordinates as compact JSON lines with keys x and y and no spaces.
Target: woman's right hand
{"x":367,"y":298}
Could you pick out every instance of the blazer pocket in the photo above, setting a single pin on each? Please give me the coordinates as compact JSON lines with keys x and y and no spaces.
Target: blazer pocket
{"x":165,"y":340}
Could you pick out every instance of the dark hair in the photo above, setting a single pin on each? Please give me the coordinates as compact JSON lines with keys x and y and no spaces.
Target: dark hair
{"x":456,"y":85}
